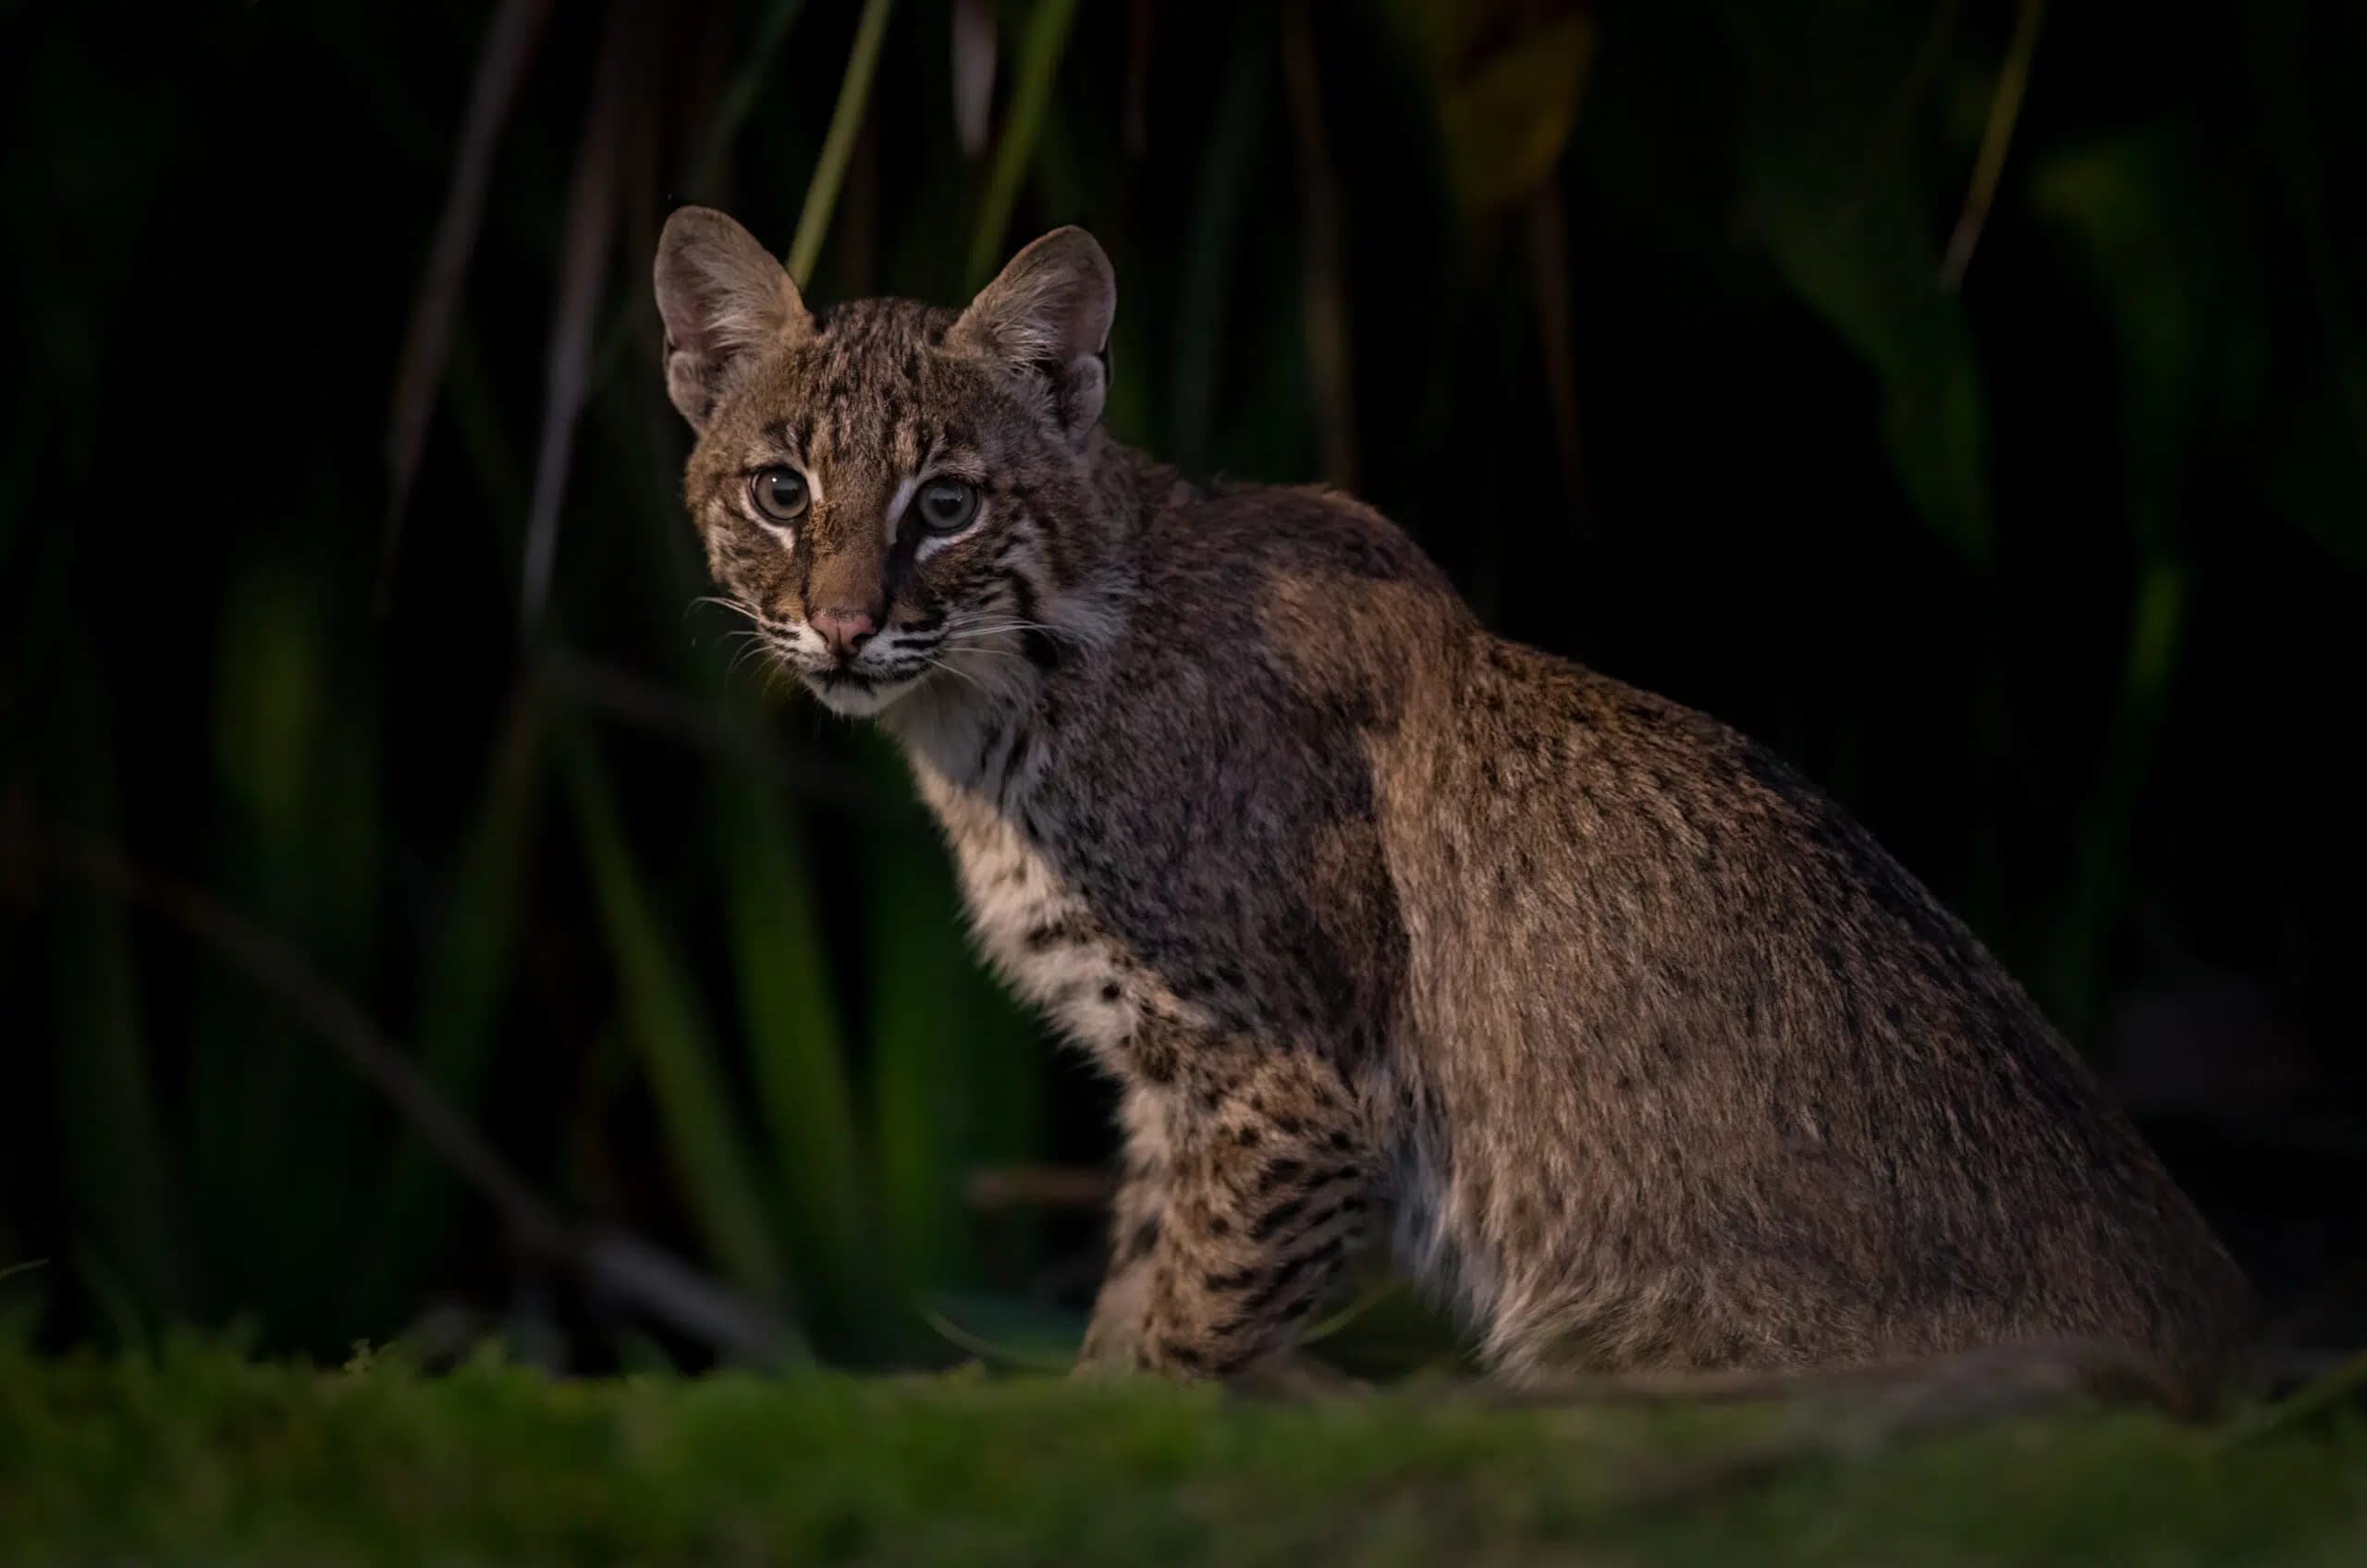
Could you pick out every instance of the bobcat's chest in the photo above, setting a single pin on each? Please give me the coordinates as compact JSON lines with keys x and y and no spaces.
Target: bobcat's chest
{"x":1035,"y":929}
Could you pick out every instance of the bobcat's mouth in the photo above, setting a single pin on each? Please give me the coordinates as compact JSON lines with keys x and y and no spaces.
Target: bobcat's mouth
{"x":853,"y":693}
{"x":859,"y":686}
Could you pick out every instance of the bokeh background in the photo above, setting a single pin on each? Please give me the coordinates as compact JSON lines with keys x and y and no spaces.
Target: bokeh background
{"x":416,"y":920}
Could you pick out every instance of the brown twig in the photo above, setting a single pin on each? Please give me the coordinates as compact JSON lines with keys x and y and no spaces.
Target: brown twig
{"x":1038,"y":1186}
{"x":643,"y":1277}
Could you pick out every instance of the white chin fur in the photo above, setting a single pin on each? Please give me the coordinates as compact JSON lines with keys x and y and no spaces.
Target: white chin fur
{"x":856,"y":702}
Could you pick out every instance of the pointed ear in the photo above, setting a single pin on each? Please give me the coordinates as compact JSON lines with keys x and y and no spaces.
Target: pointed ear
{"x":723,"y":298}
{"x":1049,"y":311}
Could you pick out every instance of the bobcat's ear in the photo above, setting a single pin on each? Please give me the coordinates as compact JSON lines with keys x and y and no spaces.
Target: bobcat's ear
{"x":1050,"y":309}
{"x":722,"y":298}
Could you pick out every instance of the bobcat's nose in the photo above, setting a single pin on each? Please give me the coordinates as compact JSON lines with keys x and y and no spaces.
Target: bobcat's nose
{"x":845,"y":631}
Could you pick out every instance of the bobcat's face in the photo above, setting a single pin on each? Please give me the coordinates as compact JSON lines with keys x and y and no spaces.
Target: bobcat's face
{"x":892,"y":495}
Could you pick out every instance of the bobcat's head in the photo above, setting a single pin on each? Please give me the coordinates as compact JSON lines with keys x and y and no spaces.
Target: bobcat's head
{"x":892,"y":494}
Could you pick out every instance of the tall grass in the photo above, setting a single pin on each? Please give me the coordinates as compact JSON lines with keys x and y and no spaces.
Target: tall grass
{"x":690,"y":956}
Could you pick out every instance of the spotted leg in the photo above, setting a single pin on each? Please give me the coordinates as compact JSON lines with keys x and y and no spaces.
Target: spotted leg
{"x":1235,"y":1216}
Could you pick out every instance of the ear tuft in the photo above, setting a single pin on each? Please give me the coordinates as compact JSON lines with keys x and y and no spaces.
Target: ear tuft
{"x":1050,"y":309}
{"x":723,"y":299}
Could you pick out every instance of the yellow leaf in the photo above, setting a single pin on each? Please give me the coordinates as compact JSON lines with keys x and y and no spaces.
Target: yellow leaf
{"x":1507,"y":119}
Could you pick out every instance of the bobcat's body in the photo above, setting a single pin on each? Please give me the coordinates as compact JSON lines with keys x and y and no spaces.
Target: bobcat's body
{"x":1639,"y":1050}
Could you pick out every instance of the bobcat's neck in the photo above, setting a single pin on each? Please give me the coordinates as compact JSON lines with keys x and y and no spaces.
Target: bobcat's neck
{"x":973,"y":729}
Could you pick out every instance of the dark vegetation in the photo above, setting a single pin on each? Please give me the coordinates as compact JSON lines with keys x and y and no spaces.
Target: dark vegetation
{"x":415,"y":921}
{"x":199,"y":1458}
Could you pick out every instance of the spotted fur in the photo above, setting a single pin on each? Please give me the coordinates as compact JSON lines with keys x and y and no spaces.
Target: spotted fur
{"x":1637,"y":1050}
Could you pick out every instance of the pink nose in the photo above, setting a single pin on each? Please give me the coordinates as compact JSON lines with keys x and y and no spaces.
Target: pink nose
{"x":843,"y":629}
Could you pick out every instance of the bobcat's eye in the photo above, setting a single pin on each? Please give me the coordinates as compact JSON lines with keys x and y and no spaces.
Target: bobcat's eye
{"x":946,"y":505}
{"x":780,"y":493}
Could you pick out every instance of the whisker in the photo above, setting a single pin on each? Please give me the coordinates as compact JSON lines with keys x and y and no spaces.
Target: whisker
{"x":734,"y":605}
{"x":990,"y":634}
{"x":962,"y":674}
{"x":979,"y":628}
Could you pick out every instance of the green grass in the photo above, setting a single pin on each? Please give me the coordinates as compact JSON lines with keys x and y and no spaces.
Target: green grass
{"x":196,"y":1457}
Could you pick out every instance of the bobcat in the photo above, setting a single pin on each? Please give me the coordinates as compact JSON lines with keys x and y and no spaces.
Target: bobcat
{"x":1642,"y":1054}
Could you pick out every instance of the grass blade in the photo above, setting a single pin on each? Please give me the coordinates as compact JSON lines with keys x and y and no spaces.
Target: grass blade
{"x":2098,"y":888}
{"x":1031,"y":94}
{"x":1549,"y":276}
{"x":795,"y":1043}
{"x":118,"y":1160}
{"x":509,"y":50}
{"x":958,"y":1071}
{"x":453,"y":1033}
{"x":918,"y":1068}
{"x":732,"y":109}
{"x":838,"y":145}
{"x":973,"y":73}
{"x":677,"y":1048}
{"x":1325,"y":281}
{"x":583,"y":265}
{"x":279,"y":1135}
{"x":2004,"y":109}
{"x":1216,"y":221}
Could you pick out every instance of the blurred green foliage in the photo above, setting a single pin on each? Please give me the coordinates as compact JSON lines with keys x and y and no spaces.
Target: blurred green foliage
{"x":2035,"y":544}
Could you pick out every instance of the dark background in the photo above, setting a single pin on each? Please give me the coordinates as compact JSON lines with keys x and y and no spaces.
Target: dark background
{"x":1968,"y":398}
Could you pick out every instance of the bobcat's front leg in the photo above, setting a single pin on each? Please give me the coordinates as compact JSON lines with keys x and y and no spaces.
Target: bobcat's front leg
{"x":1135,"y":1222}
{"x":1241,"y":1202}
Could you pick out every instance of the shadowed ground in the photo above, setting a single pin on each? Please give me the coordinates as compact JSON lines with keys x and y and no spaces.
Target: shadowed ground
{"x":197,"y":1457}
